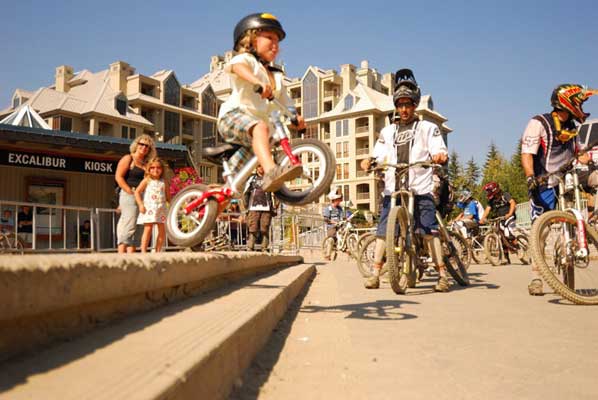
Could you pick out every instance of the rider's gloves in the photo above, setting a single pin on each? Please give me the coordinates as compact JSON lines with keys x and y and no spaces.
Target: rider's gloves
{"x":532,"y":183}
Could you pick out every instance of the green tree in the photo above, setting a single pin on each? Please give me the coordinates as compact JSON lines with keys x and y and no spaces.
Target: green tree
{"x":472,"y":175}
{"x":455,"y":171}
{"x":516,"y":184}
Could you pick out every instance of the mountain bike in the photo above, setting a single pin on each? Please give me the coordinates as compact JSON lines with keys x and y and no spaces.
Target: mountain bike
{"x":345,"y":239}
{"x":194,"y":209}
{"x":474,"y":242}
{"x":564,"y":246}
{"x":405,"y":250}
{"x":497,"y":244}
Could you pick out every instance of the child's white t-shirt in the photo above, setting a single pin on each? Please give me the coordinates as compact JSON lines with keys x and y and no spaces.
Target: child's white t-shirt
{"x":243,"y":95}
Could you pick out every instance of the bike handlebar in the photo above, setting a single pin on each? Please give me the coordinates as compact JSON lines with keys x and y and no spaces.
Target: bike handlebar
{"x":290,"y":113}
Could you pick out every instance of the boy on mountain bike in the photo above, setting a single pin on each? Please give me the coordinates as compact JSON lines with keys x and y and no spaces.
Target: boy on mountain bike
{"x":501,"y":204}
{"x":548,"y":143}
{"x":468,"y":220}
{"x":333,"y":214}
{"x":409,"y":140}
{"x":243,"y":118}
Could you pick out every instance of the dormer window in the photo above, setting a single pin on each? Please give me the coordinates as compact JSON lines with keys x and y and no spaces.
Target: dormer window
{"x":120,"y":103}
{"x":348,"y":102}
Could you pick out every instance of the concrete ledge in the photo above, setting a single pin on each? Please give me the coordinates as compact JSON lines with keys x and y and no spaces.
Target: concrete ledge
{"x":194,"y":349}
{"x":44,"y":298}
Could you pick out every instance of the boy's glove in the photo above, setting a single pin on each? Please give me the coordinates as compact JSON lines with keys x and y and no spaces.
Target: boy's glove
{"x":532,"y":183}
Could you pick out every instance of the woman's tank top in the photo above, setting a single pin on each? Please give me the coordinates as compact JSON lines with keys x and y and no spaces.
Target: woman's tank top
{"x":134,"y":176}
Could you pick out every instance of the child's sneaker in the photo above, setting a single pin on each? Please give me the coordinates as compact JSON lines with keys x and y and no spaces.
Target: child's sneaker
{"x":442,"y":285}
{"x":535,"y":288}
{"x":276,"y":177}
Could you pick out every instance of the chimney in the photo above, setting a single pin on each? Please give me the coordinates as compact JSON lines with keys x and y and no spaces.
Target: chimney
{"x":63,"y":74}
{"x":388,"y":82}
{"x":348,"y":77}
{"x":119,"y":71}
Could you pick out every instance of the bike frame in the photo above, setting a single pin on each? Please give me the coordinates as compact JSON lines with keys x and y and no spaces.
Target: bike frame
{"x":233,"y":188}
{"x":581,"y":237}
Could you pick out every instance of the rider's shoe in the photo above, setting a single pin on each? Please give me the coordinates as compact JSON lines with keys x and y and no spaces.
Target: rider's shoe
{"x":535,"y":288}
{"x":442,"y":285}
{"x":277,"y":176}
{"x":373,"y":282}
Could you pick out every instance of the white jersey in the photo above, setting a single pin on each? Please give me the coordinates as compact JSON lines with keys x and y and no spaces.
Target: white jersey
{"x":243,"y":95}
{"x":426,"y":141}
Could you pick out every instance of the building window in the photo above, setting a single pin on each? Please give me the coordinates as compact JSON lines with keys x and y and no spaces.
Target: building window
{"x":124,"y":132}
{"x":121,"y":105}
{"x":342,"y":128}
{"x":208,"y":134}
{"x":310,"y":95}
{"x":62,"y":123}
{"x":348,"y":102}
{"x":132,"y":133}
{"x":172,"y":91}
{"x":205,"y":173}
{"x":342,"y":150}
{"x":171,"y":125}
{"x":311,"y":131}
{"x":209,"y":104}
{"x":342,"y":171}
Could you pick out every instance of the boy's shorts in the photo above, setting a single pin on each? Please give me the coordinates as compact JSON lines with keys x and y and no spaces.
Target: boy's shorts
{"x":234,"y":127}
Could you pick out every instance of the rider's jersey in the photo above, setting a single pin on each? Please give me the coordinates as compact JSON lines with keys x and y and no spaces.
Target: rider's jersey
{"x":423,"y":139}
{"x":472,"y":208}
{"x":500,"y":205}
{"x":333,"y":214}
{"x":549,"y":153}
{"x":243,"y":95}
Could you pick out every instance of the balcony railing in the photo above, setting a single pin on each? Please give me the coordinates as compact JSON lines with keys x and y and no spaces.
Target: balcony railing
{"x":362,"y":129}
{"x":361,"y":173}
{"x":362,"y":151}
{"x":331,"y":92}
{"x":325,"y":135}
{"x":363,"y":196}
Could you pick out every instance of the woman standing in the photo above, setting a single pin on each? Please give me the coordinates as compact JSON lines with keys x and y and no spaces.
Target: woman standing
{"x":129,"y":174}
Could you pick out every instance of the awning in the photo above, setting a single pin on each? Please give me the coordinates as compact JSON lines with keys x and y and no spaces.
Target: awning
{"x":27,"y":117}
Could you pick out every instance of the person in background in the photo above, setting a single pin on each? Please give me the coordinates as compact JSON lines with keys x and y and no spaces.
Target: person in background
{"x":85,"y":234}
{"x":153,"y":206}
{"x":260,"y":206}
{"x":7,"y":222}
{"x":333,"y":214}
{"x":129,"y":174}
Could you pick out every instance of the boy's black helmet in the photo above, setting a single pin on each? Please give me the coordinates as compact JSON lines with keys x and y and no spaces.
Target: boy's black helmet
{"x":406,"y":86}
{"x":263,"y":21}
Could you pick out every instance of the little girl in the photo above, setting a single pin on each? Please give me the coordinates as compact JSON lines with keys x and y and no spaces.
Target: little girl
{"x":152,"y":209}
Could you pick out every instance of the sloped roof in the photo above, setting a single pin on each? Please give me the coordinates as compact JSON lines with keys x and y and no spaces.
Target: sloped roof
{"x":219,"y":80}
{"x":25,"y":116}
{"x":95,"y":96}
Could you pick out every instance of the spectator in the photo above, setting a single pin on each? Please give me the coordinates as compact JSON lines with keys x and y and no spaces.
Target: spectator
{"x":129,"y":174}
{"x":237,"y":234}
{"x":25,"y":228}
{"x":261,"y":207}
{"x":85,"y":235}
{"x":7,"y":222}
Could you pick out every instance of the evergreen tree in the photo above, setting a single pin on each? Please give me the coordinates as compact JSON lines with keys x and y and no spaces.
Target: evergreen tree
{"x":517,"y":185}
{"x":492,"y":154}
{"x":472,"y":175}
{"x":455,"y":171}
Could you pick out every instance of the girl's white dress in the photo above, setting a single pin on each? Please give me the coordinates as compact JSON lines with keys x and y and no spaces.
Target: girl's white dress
{"x":154,"y":200}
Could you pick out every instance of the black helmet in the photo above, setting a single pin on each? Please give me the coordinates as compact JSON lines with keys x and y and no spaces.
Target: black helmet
{"x":406,"y":86}
{"x":263,"y":21}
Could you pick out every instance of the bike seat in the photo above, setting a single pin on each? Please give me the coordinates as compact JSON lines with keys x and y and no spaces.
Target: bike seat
{"x":220,"y":151}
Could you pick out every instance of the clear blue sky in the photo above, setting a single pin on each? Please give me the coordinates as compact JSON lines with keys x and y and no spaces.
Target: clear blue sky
{"x":489,"y":66}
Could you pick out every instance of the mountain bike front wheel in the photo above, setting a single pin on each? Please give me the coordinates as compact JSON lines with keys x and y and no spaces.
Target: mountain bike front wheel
{"x":319,"y":168}
{"x":554,"y":249}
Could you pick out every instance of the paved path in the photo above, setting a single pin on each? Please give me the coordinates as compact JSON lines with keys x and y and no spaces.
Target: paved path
{"x":488,"y":341}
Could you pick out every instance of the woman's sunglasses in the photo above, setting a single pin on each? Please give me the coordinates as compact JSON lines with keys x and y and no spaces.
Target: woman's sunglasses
{"x":143,"y":144}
